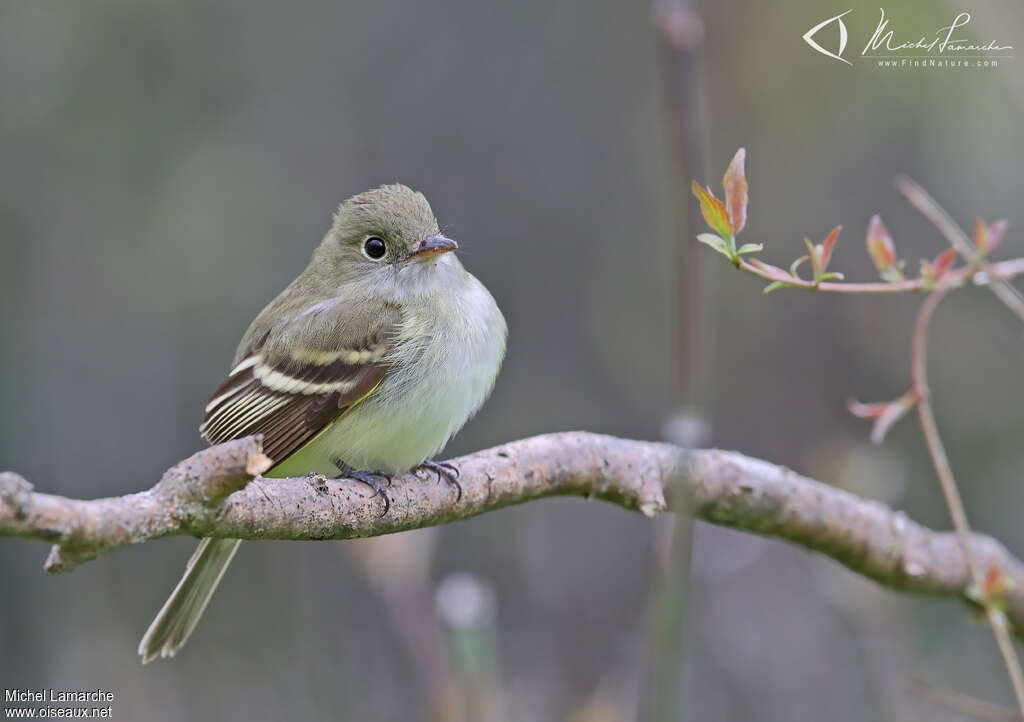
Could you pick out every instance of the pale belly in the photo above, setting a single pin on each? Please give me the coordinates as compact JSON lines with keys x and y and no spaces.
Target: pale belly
{"x":422,"y":402}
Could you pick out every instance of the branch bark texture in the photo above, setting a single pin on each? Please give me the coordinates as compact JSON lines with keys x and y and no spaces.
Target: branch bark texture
{"x":214,"y":493}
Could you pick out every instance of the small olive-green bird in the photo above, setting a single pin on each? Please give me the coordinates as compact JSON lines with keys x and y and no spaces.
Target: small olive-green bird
{"x":368,"y":362}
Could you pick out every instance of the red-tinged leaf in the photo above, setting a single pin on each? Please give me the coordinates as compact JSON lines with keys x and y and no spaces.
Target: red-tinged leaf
{"x":987,"y":238}
{"x":867,"y":411}
{"x":996,"y":584}
{"x":885,"y":414}
{"x":980,"y":235}
{"x":735,"y":184}
{"x":995,"y":233}
{"x":770,"y":271}
{"x":991,"y":584}
{"x":714,"y":211}
{"x":828,"y":245}
{"x":880,"y":245}
{"x":994,"y":589}
{"x":943,"y":262}
{"x":887,"y":420}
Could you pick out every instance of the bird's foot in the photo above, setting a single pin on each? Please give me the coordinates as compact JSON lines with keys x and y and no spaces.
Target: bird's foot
{"x":446,"y":471}
{"x":372,"y":480}
{"x":318,"y":481}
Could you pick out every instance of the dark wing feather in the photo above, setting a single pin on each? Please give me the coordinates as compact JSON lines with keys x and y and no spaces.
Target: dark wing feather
{"x":290,"y":395}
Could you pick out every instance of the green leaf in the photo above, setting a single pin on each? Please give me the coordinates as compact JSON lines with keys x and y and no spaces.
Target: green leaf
{"x":710,"y":239}
{"x":750,"y":248}
{"x":774,"y":286}
{"x":891,"y":275}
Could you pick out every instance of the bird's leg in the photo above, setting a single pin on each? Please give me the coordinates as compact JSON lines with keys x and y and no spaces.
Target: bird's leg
{"x":371,"y":479}
{"x":446,"y":471}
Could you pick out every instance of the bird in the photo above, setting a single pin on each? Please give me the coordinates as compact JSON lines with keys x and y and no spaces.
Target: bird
{"x":365,"y":366}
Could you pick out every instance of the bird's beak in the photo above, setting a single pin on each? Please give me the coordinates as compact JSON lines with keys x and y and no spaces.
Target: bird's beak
{"x":434,"y":246}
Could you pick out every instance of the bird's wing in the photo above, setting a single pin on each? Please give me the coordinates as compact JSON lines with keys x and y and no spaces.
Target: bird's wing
{"x":302,"y":374}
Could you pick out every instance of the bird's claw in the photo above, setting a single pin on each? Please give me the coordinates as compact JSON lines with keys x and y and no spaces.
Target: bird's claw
{"x":446,"y":471}
{"x":372,"y":480}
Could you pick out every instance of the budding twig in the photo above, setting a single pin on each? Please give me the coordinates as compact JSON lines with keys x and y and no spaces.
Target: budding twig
{"x":938,"y":279}
{"x":931,"y":210}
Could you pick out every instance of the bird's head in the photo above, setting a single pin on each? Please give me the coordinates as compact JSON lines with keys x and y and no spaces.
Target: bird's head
{"x":384,"y":237}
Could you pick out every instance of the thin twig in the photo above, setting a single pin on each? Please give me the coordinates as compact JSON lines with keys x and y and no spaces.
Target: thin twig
{"x":956,"y":237}
{"x":1002,"y":271}
{"x":950,"y":491}
{"x":972,"y":706}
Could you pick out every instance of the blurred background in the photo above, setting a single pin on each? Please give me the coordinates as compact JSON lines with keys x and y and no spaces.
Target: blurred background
{"x":167,"y":168}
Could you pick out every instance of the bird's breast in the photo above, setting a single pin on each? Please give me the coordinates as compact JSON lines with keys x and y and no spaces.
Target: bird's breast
{"x":447,"y":354}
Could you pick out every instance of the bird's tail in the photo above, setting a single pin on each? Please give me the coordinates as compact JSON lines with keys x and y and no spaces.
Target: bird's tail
{"x":182,"y":610}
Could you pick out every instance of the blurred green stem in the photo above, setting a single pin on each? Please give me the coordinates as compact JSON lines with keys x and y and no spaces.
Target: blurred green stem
{"x":680,"y":31}
{"x":467,"y":605}
{"x":668,"y":628}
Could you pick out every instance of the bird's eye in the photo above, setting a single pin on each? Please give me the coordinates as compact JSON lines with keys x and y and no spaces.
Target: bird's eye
{"x":374,"y":248}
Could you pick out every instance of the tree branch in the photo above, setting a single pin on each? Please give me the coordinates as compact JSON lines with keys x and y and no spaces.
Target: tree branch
{"x":213,"y":493}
